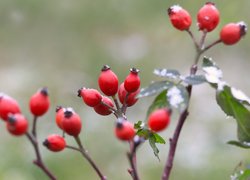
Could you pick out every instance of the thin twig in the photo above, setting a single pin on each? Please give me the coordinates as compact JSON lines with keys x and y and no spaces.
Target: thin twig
{"x":193,"y":39}
{"x":39,"y":161}
{"x":34,"y":126}
{"x":183,"y":116}
{"x":85,"y":154}
{"x":132,"y":157}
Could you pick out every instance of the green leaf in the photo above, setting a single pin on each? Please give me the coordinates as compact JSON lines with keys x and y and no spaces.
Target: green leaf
{"x":239,"y":144}
{"x":159,"y":102}
{"x":241,"y":96}
{"x":168,"y":73}
{"x":145,"y":133}
{"x":158,"y":138}
{"x":138,"y":125}
{"x":213,"y":73}
{"x":245,"y":175}
{"x":233,"y":107}
{"x":178,"y":97}
{"x":155,"y":88}
{"x":152,"y":142}
{"x":194,"y":79}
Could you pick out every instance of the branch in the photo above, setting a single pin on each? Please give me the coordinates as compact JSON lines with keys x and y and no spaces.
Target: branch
{"x":38,"y":161}
{"x":85,"y":154}
{"x":183,"y":116}
{"x":132,"y":157}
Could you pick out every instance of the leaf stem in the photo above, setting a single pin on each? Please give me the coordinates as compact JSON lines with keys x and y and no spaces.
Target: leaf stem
{"x":85,"y":154}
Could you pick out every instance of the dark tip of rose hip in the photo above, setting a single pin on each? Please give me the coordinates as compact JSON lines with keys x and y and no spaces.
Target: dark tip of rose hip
{"x":243,"y":28}
{"x":169,"y":111}
{"x":46,"y":142}
{"x":79,"y":92}
{"x":11,"y":119}
{"x":119,"y":123}
{"x":170,"y":10}
{"x":44,"y":91}
{"x":58,"y":108}
{"x":134,"y":70}
{"x":211,"y":3}
{"x":105,"y":68}
{"x":68,"y":113}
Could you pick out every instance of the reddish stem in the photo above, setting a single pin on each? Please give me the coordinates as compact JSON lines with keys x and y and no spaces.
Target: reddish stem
{"x":38,"y":161}
{"x":85,"y":154}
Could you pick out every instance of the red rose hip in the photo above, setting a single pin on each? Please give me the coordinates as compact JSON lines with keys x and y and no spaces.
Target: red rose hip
{"x":131,"y":98}
{"x":59,"y":115}
{"x":208,"y":17}
{"x":102,"y":109}
{"x":132,"y":81}
{"x":158,"y":120}
{"x":17,"y":124}
{"x":71,"y":122}
{"x":232,"y":33}
{"x":179,"y":17}
{"x":108,"y":81}
{"x":39,"y":102}
{"x":8,"y":105}
{"x":90,"y":97}
{"x":125,"y":130}
{"x":55,"y":143}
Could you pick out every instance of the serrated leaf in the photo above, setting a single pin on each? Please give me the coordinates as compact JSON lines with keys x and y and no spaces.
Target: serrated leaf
{"x":158,"y":138}
{"x":168,"y":73}
{"x":159,"y":102}
{"x":152,"y":142}
{"x":178,"y":97}
{"x":233,"y":107}
{"x":154,"y":88}
{"x":194,"y":79}
{"x":213,"y":73}
{"x":138,"y":125}
{"x":245,"y":145}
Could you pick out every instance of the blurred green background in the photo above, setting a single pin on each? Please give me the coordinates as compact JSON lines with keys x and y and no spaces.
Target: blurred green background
{"x":62,"y":44}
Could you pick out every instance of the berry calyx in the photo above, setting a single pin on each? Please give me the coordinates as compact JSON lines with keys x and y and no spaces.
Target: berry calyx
{"x":55,"y":143}
{"x":132,"y":81}
{"x":158,"y":120}
{"x":59,"y":115}
{"x":108,"y":81}
{"x":71,"y":122}
{"x":104,"y":107}
{"x":90,"y":97}
{"x":208,"y":17}
{"x":17,"y":124}
{"x":232,"y":33}
{"x":131,"y":97}
{"x":179,"y":17}
{"x":8,"y":105}
{"x":124,"y":130}
{"x":39,"y":102}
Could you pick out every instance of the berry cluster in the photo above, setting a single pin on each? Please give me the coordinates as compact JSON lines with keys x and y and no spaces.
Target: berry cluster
{"x":106,"y":104}
{"x":208,"y":18}
{"x":10,"y":112}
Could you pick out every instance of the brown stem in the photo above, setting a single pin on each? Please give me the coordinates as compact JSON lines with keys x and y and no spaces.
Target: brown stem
{"x":39,"y":161}
{"x":85,"y":154}
{"x":193,"y":39}
{"x":132,"y":157}
{"x":34,"y":126}
{"x":183,"y":116}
